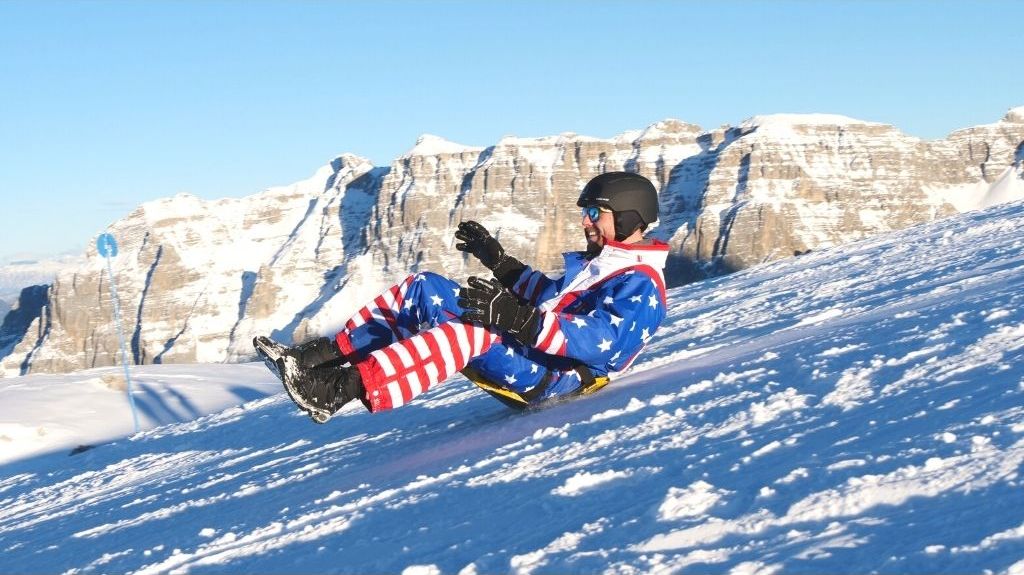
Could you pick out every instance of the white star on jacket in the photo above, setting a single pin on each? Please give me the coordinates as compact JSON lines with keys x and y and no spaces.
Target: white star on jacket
{"x":510,"y":379}
{"x":436,"y":299}
{"x":636,"y":299}
{"x":616,"y":320}
{"x":580,"y":322}
{"x":653,"y":301}
{"x":605,"y":345}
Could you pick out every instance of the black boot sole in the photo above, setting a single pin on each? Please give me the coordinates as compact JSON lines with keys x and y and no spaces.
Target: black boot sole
{"x":271,"y":353}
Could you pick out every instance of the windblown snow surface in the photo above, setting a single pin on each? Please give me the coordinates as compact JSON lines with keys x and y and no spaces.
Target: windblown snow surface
{"x":848,"y":411}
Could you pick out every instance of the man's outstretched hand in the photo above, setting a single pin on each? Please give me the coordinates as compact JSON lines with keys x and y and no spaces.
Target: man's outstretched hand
{"x":487,"y":302}
{"x":477,"y":240}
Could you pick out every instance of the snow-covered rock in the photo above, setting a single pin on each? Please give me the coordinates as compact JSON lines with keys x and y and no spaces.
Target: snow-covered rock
{"x":197,"y":279}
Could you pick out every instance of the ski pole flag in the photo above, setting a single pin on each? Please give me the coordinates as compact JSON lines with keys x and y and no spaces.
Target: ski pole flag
{"x":106,"y":245}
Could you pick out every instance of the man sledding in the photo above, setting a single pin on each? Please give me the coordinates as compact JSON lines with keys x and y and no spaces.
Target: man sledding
{"x":521,"y":336}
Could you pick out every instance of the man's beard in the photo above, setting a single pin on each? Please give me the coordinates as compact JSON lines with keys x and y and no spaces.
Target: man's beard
{"x":593,"y":248}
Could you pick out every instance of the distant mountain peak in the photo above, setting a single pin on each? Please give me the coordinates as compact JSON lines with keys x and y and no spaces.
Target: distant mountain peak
{"x":770,"y":121}
{"x":431,"y":145}
{"x":1015,"y":115}
{"x":668,"y":126}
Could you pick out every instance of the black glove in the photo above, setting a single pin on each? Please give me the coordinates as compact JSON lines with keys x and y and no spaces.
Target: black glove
{"x":477,"y":240}
{"x":487,"y":302}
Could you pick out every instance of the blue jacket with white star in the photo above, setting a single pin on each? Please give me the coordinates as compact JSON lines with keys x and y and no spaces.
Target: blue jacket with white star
{"x":599,"y":314}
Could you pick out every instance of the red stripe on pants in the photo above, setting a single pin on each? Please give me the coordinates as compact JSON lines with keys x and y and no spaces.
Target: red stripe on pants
{"x":376,"y":381}
{"x":418,"y":369}
{"x":388,"y":314}
{"x":435,"y":354}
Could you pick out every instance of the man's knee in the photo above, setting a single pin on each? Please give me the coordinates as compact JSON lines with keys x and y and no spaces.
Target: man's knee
{"x":438,"y":281}
{"x":434,"y":277}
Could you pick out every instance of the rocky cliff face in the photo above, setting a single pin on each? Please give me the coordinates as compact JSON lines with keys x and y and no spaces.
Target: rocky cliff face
{"x":197,"y":279}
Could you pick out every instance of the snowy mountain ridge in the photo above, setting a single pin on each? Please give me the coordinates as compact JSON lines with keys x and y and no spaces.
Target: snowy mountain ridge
{"x":852,"y":410}
{"x":198,"y":279}
{"x":21,"y":273}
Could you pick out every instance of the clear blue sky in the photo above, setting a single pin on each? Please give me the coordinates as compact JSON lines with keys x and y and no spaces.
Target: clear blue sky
{"x":104,"y":105}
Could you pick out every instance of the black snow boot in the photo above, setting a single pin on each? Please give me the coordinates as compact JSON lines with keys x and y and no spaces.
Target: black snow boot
{"x":321,"y":391}
{"x":315,"y":352}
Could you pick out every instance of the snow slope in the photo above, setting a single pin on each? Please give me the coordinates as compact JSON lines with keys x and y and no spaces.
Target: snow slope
{"x":43,"y":413}
{"x":848,"y":411}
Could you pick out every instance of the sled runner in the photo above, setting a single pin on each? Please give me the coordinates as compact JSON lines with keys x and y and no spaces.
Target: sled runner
{"x":528,"y":399}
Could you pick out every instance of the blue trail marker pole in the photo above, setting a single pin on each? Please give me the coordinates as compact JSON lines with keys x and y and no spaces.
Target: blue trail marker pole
{"x":107,"y":247}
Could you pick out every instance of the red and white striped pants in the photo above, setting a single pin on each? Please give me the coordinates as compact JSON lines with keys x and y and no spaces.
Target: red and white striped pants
{"x":410,"y":338}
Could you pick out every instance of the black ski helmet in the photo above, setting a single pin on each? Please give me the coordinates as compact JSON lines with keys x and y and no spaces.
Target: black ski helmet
{"x":632,"y":197}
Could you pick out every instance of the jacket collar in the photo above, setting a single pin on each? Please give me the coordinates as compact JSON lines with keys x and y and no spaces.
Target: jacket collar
{"x":653,"y":253}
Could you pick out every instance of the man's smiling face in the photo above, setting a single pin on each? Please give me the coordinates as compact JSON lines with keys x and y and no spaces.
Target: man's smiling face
{"x":600,"y":231}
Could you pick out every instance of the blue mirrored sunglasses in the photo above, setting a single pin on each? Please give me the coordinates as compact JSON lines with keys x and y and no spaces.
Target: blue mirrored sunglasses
{"x":594,"y":212}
